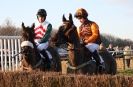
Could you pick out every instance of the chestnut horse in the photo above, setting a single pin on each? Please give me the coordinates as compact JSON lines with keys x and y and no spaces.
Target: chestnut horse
{"x":80,"y":59}
{"x":31,"y":59}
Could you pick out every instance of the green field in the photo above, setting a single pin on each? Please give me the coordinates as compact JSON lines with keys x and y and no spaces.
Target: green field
{"x":128,"y":72}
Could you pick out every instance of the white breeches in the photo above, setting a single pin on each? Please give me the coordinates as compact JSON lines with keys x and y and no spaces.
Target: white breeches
{"x":42,"y":46}
{"x":92,"y":47}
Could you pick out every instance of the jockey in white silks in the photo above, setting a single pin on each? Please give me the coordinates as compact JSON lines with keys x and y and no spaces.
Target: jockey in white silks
{"x":43,"y":31}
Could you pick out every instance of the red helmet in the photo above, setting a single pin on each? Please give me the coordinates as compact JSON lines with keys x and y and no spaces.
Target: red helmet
{"x":81,"y":13}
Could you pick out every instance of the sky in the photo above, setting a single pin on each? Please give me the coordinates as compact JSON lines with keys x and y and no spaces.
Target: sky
{"x":114,"y":17}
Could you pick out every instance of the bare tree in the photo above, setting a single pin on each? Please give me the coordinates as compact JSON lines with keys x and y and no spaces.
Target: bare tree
{"x":9,"y":29}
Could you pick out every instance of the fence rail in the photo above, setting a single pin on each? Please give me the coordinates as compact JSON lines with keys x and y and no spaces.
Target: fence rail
{"x":9,"y":46}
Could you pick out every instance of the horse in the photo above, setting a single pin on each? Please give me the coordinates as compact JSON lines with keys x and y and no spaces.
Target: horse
{"x":31,"y":58}
{"x":80,"y":59}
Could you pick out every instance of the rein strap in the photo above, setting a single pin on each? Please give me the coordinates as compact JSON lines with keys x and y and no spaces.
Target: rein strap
{"x":38,"y":63}
{"x":79,"y":66}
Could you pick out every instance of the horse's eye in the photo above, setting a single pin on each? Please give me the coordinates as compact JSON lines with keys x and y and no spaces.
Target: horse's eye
{"x":22,"y":49}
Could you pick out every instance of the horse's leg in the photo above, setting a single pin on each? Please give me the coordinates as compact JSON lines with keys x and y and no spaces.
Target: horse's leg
{"x":110,"y":62}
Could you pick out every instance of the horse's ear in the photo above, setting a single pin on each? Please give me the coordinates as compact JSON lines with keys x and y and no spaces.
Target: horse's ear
{"x":23,"y":25}
{"x":70,"y":18}
{"x":63,"y":18}
{"x":33,"y":25}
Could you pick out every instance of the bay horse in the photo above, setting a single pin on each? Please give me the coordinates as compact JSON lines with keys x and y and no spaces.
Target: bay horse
{"x":80,"y":59}
{"x":31,"y":58}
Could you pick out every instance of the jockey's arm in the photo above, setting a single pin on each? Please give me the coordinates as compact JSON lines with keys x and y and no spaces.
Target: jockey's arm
{"x":95,"y":33}
{"x":47,"y":34}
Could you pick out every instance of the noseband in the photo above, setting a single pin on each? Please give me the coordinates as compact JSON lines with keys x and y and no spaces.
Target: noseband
{"x":27,"y":43}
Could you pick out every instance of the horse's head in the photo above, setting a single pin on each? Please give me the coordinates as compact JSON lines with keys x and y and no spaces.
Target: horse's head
{"x":67,"y":23}
{"x":27,"y":38}
{"x":28,"y":32}
{"x":67,"y":32}
{"x":28,"y":46}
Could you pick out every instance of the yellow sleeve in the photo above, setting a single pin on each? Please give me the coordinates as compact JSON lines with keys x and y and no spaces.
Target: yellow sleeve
{"x":95,"y":33}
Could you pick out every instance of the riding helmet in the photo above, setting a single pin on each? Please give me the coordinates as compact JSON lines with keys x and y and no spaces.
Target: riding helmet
{"x":81,"y":13}
{"x":42,"y":12}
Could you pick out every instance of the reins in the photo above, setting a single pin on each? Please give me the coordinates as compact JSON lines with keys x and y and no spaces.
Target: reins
{"x":21,"y":52}
{"x":79,"y":66}
{"x":17,"y":55}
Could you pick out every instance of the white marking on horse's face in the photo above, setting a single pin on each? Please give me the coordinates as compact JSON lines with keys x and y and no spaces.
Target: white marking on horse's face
{"x":27,"y":43}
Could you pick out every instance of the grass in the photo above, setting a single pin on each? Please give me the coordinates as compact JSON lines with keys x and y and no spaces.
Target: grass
{"x":127,"y":72}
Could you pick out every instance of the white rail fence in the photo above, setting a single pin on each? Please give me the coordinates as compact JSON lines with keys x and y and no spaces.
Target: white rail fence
{"x":9,"y":47}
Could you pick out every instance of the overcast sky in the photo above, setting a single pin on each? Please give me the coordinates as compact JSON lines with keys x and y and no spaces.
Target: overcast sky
{"x":114,"y":17}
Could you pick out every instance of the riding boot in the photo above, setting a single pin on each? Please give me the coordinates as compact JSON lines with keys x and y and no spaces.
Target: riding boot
{"x":96,"y":56}
{"x":44,"y":53}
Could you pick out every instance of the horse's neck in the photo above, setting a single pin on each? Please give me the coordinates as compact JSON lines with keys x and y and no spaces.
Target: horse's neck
{"x":34,"y":57}
{"x":37,"y":55}
{"x":28,"y":61}
{"x":75,"y":54}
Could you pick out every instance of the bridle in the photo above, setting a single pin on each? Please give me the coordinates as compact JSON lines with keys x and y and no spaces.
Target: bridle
{"x":30,"y":45}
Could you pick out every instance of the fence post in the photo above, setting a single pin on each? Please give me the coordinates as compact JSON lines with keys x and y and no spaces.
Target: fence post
{"x":124,"y":65}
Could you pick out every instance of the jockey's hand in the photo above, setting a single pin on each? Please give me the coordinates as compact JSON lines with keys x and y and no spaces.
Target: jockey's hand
{"x":83,"y":44}
{"x":85,"y":41}
{"x":37,"y":43}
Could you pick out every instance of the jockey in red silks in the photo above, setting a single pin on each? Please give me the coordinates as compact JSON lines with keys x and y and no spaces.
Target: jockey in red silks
{"x":42,"y":31}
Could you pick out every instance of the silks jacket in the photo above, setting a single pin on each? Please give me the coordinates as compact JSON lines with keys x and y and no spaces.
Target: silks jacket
{"x":89,"y":32}
{"x":43,"y":31}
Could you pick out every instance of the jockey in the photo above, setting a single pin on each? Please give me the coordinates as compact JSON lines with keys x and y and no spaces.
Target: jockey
{"x":42,"y":31}
{"x":90,"y":36}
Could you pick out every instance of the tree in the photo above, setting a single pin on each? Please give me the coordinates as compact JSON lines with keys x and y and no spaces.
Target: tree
{"x":9,"y":29}
{"x":107,"y":39}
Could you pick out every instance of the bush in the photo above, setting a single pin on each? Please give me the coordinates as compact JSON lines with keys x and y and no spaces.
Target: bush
{"x":52,"y":79}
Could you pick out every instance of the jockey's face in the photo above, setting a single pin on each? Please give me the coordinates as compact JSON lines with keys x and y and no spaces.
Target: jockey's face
{"x":81,"y":19}
{"x":41,"y":19}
